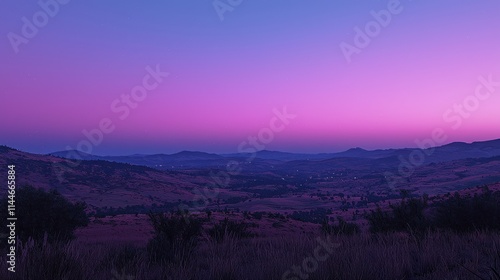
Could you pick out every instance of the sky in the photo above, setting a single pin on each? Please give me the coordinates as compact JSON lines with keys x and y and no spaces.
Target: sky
{"x":348,"y":74}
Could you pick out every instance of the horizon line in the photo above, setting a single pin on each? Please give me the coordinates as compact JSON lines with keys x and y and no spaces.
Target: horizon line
{"x":243,"y":153}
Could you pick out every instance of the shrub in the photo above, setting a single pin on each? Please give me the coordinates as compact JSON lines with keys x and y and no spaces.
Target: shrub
{"x":465,"y":213}
{"x":41,"y":213}
{"x":379,"y":220}
{"x":257,"y":215}
{"x":175,"y":236}
{"x":342,"y":227}
{"x":226,"y":227}
{"x":408,"y":215}
{"x":457,"y":213}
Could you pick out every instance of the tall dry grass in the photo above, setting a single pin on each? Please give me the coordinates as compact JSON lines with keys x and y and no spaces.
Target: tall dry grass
{"x":441,"y":255}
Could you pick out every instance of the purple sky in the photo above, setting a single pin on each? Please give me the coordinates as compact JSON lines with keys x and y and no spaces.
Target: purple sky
{"x":226,"y":77}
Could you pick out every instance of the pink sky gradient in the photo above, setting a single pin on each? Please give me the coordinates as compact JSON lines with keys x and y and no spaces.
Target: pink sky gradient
{"x":227,"y":77}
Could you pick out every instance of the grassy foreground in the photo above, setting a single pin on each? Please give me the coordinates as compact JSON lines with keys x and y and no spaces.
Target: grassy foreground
{"x":441,"y":255}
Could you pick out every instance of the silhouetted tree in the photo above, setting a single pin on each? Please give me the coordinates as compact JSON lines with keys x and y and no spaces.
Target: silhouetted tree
{"x":39,"y":212}
{"x":175,"y":236}
{"x":408,"y":215}
{"x":465,"y":213}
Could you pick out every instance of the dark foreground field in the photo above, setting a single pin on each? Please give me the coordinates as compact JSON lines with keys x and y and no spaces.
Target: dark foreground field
{"x":417,"y":238}
{"x":440,"y":255}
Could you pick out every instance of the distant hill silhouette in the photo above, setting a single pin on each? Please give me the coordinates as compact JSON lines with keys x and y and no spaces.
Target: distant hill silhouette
{"x":195,"y":159}
{"x":137,"y":180}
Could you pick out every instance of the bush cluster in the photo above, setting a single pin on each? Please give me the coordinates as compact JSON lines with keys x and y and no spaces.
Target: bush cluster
{"x":342,"y":227}
{"x":176,"y":235}
{"x":40,"y":213}
{"x":457,"y":213}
